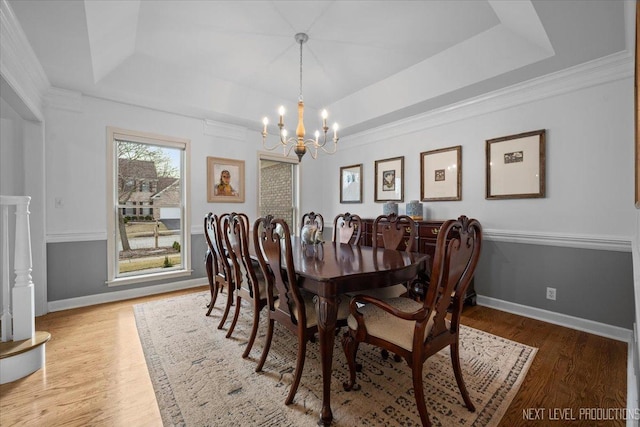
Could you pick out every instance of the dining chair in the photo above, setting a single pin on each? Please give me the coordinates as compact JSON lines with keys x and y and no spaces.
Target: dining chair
{"x":417,"y":330}
{"x":294,"y":309}
{"x":389,"y":232}
{"x":347,"y":228}
{"x":215,"y":274}
{"x":311,"y":218}
{"x":250,"y":283}
{"x":223,"y":272}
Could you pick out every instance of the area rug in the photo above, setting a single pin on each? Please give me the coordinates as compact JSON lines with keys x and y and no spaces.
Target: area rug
{"x":200,"y":378}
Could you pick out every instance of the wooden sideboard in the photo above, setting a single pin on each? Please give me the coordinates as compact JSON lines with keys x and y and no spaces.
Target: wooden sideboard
{"x":426,"y":236}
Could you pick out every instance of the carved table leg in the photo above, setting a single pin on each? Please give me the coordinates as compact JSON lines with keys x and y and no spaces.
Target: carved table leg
{"x":327,"y":310}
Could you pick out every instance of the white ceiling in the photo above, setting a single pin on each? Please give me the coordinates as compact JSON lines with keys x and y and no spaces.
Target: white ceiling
{"x":367,"y":62}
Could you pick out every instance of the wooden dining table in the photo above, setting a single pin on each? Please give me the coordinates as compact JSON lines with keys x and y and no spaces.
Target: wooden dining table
{"x":329,"y":270}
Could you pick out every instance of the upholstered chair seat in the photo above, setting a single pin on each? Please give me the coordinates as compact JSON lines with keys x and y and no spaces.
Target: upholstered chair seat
{"x":389,"y":327}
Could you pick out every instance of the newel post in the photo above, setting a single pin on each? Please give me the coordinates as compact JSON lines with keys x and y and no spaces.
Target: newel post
{"x":23,"y":292}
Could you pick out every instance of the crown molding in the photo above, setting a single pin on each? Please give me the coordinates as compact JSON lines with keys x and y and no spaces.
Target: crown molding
{"x":604,"y":70}
{"x":224,"y":130}
{"x":19,"y":65}
{"x":62,"y":99}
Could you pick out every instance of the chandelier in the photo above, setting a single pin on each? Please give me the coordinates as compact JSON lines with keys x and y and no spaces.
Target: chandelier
{"x":298,"y":142}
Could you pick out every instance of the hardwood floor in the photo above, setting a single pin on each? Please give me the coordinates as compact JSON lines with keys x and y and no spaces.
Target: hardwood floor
{"x":96,"y":373}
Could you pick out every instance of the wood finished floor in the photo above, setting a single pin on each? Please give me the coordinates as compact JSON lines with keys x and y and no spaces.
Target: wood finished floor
{"x":96,"y":373}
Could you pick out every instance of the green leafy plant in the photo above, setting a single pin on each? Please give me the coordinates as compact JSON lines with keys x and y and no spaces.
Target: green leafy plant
{"x":167,"y":262}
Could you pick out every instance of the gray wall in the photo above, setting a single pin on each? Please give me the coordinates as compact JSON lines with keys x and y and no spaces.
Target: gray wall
{"x":590,"y":284}
{"x":77,"y":269}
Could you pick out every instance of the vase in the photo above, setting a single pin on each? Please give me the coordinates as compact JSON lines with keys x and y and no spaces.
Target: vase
{"x":414,"y":210}
{"x":390,"y":208}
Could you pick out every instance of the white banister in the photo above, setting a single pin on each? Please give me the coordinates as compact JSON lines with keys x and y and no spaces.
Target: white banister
{"x":21,"y":313}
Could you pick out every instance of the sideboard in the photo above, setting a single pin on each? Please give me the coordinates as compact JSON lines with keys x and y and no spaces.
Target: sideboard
{"x":426,"y":236}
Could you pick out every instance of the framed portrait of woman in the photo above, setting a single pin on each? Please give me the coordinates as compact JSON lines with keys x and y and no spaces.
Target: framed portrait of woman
{"x":225,"y":180}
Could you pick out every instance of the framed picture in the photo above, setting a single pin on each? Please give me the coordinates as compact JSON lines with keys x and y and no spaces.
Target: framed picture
{"x":351,"y":184}
{"x":441,"y":174}
{"x":390,"y":180}
{"x":515,"y":167}
{"x":225,"y":180}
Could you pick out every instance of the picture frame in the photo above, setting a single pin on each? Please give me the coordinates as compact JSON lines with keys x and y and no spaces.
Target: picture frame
{"x":225,"y":192}
{"x":515,"y":166}
{"x":441,"y":174}
{"x":389,"y":180}
{"x":351,"y":184}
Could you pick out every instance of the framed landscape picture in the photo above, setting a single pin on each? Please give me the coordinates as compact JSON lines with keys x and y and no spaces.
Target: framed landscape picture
{"x":225,"y":180}
{"x":351,"y":184}
{"x":389,"y":174}
{"x":441,"y":174}
{"x":515,"y":166}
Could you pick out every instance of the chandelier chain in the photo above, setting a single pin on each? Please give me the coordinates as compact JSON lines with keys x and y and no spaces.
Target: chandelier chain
{"x":301,"y":42}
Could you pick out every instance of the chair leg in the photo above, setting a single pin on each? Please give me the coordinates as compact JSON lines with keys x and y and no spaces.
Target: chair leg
{"x":297,"y":375}
{"x":236,"y":314}
{"x":214,"y":297}
{"x":213,"y":283}
{"x":455,"y":361}
{"x":418,"y":391}
{"x":350,"y":347}
{"x":267,"y":345}
{"x":254,"y":331}
{"x":227,"y":307}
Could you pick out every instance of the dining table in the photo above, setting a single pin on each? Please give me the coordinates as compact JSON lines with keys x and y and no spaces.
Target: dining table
{"x":329,"y":270}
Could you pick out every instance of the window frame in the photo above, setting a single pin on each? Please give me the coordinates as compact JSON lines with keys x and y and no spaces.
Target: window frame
{"x":114,"y":133}
{"x":296,"y":182}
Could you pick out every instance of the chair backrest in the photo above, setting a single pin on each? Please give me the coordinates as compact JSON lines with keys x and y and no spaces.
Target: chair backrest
{"x":347,"y":228}
{"x":213,"y":234}
{"x":456,"y":257}
{"x":210,"y":235}
{"x":312,"y":218}
{"x":394,"y":229}
{"x":275,"y":256}
{"x":234,"y":231}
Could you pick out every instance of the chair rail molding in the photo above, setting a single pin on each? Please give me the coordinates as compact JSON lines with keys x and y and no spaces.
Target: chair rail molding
{"x":578,"y":241}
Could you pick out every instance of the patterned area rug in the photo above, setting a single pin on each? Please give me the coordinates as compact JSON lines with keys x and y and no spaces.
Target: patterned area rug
{"x":200,"y":378}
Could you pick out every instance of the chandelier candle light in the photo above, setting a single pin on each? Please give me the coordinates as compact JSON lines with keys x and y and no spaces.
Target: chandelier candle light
{"x":298,"y":143}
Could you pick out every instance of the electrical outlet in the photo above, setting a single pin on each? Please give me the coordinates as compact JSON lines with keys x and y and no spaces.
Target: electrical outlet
{"x":551,"y":293}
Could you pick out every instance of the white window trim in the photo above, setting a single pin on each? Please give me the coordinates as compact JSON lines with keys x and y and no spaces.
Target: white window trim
{"x":114,"y":133}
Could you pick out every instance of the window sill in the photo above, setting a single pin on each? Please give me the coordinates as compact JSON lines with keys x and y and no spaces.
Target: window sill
{"x":148,"y":277}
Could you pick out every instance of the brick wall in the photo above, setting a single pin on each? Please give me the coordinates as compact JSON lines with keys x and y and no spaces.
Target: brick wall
{"x":277,"y":192}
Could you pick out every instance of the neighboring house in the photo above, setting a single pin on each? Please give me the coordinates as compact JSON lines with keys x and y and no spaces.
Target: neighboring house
{"x":169,"y":201}
{"x":141,"y":188}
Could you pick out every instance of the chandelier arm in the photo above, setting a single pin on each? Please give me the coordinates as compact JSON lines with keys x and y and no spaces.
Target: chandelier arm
{"x":281,"y":143}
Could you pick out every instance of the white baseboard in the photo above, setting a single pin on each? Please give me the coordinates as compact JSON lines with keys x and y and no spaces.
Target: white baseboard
{"x":66,"y":304}
{"x":596,"y":328}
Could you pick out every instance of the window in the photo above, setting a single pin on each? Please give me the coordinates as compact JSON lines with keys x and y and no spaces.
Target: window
{"x":148,"y":219}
